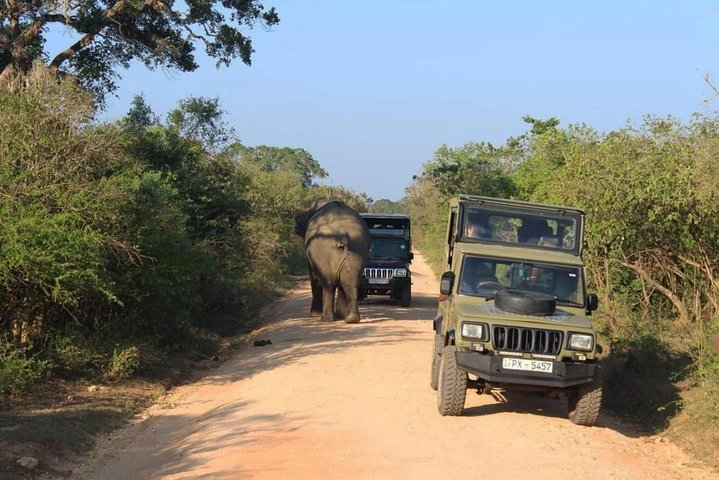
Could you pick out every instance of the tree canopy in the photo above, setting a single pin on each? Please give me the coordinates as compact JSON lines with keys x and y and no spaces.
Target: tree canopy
{"x":112,"y":33}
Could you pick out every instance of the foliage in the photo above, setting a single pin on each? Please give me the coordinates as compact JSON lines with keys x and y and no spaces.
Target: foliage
{"x":158,"y":285}
{"x":201,"y":120}
{"x":110,"y":35}
{"x":140,"y":115}
{"x":19,"y":369}
{"x":53,"y":170}
{"x":384,"y":205}
{"x":358,"y":201}
{"x":124,"y":363}
{"x":276,"y":183}
{"x":659,"y":252}
{"x":474,"y":168}
{"x":427,"y":208}
{"x":71,"y":356}
{"x":275,"y":159}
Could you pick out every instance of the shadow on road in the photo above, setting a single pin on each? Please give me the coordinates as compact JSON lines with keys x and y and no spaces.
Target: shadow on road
{"x":294,"y":338}
{"x":380,"y":308}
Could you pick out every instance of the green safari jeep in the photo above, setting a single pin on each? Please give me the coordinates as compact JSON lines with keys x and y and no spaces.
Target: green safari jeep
{"x":513,"y":312}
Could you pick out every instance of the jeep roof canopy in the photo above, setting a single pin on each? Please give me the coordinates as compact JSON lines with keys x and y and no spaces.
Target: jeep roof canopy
{"x":389,"y":224}
{"x":521,"y":224}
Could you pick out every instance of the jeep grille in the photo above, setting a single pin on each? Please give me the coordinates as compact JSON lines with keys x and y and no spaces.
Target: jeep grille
{"x":378,"y":272}
{"x":527,"y":340}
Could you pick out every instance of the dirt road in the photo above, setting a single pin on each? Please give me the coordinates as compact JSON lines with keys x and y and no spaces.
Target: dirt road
{"x":337,"y":401}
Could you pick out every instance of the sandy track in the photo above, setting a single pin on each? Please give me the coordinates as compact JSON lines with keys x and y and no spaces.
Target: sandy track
{"x":327,"y":401}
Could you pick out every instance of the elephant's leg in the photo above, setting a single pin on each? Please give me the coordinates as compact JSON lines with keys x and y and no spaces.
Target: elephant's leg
{"x":350,"y":284}
{"x":328,"y":303}
{"x":341,"y":303}
{"x":316,"y":308}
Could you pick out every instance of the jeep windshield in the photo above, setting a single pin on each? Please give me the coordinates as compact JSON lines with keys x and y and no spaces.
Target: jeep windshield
{"x":555,"y":230}
{"x":388,"y":248}
{"x":483,"y":276}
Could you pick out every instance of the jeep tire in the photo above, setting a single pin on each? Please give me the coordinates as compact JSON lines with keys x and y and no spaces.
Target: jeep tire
{"x":436,"y":356}
{"x":404,"y":296}
{"x":584,"y":403}
{"x":452,"y":384}
{"x":525,"y":302}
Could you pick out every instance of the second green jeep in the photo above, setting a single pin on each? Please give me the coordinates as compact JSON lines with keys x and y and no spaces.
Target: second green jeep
{"x":514,"y":313}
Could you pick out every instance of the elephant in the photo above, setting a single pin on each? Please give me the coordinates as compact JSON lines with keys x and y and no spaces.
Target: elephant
{"x":336,"y":245}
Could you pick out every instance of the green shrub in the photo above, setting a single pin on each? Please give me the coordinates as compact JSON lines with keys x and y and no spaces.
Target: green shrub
{"x":19,"y":370}
{"x":123,"y":364}
{"x":71,"y":356}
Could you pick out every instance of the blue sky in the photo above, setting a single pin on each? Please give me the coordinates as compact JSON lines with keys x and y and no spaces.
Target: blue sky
{"x":371,"y":89}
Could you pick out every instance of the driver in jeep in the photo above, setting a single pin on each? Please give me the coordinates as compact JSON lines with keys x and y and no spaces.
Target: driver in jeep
{"x":476,"y":276}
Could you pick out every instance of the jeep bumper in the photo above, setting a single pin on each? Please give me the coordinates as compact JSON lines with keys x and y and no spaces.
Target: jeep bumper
{"x":380,"y":288}
{"x":489,"y":368}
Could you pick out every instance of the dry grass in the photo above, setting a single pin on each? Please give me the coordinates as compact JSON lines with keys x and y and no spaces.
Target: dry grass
{"x":60,"y":421}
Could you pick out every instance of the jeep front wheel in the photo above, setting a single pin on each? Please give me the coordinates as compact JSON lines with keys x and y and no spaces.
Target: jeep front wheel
{"x":405,"y":296}
{"x":585,"y":402}
{"x":452,"y":384}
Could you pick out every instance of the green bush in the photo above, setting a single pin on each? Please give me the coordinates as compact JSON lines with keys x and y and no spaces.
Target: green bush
{"x":19,"y":369}
{"x":123,"y":364}
{"x":71,"y":356}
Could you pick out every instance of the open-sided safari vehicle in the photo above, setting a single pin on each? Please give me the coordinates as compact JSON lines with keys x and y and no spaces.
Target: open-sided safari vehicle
{"x":514,"y":312}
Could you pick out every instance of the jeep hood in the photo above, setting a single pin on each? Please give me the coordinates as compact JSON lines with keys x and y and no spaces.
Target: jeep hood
{"x":486,"y":310}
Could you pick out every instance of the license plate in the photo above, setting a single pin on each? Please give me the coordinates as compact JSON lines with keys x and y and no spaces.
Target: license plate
{"x":378,"y":280}
{"x":527,"y":365}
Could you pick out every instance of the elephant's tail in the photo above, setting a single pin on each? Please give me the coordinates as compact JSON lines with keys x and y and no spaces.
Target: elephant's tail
{"x":343,"y":243}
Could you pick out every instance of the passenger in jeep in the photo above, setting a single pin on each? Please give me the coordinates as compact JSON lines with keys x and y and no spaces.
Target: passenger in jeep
{"x":478,"y":227}
{"x":534,"y":230}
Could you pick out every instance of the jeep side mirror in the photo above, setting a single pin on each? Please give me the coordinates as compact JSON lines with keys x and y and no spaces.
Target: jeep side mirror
{"x":411,"y":255}
{"x":446,"y":282}
{"x":592,"y":302}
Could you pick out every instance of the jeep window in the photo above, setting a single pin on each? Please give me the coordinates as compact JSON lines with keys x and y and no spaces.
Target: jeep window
{"x":553,"y":231}
{"x":483,"y":276}
{"x":384,"y":248}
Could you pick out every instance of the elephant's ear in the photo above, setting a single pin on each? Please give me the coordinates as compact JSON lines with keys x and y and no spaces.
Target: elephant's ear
{"x":301,"y":220}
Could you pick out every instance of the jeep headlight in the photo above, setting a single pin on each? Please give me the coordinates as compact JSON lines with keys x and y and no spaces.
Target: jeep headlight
{"x":581,"y":341}
{"x":475,"y":331}
{"x":400,"y":272}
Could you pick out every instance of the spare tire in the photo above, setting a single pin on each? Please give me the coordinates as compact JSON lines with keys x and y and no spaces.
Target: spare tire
{"x":525,"y":302}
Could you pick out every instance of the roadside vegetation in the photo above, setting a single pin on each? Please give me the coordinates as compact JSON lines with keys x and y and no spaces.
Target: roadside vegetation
{"x":651,"y":197}
{"x":131,"y":252}
{"x":122,"y":243}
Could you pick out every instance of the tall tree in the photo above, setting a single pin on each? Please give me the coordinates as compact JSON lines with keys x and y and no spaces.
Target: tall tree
{"x":474,"y":168}
{"x":112,"y":33}
{"x":140,"y":115}
{"x":272,"y":159}
{"x":201,"y":119}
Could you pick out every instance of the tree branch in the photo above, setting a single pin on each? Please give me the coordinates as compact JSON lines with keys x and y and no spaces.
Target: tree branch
{"x":74,"y":48}
{"x":109,"y":16}
{"x":673,"y":297}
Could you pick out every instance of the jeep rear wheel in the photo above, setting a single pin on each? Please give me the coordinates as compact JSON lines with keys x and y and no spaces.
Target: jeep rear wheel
{"x":452,"y":384}
{"x":585,"y":402}
{"x":436,"y":357}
